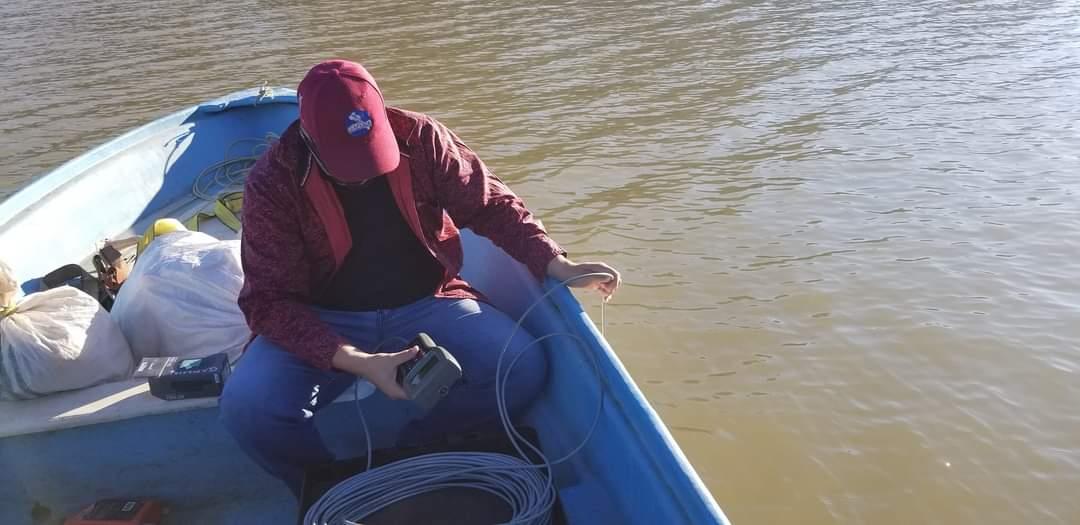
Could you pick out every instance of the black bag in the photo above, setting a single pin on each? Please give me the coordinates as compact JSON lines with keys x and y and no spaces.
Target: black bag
{"x":76,"y":276}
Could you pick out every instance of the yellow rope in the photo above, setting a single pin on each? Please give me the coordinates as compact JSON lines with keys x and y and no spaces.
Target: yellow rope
{"x":7,"y":310}
{"x":227,"y":209}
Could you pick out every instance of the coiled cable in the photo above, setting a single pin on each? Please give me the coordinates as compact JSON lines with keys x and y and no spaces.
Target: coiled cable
{"x":527,"y":488}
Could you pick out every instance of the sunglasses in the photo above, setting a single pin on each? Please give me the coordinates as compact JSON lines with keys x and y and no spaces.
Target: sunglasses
{"x":322,"y":166}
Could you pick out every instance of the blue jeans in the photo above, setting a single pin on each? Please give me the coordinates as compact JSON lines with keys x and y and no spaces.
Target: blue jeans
{"x":270,"y":398}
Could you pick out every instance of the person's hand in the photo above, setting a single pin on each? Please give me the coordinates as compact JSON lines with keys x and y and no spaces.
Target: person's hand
{"x":379,"y":369}
{"x":562,"y":269}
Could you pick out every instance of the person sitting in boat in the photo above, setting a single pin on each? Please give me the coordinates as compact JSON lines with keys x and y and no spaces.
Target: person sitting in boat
{"x":351,"y":239}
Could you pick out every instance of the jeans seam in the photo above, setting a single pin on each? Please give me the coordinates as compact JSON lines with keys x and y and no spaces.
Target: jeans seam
{"x":380,"y":326}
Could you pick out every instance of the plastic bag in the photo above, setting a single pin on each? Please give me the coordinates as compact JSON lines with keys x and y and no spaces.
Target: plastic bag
{"x":8,"y":285}
{"x":56,"y":340}
{"x":180,"y":299}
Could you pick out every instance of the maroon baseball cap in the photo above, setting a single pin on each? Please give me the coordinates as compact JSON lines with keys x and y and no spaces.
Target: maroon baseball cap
{"x":343,"y":115}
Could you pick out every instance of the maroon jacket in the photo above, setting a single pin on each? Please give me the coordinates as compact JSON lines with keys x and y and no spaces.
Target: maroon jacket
{"x":295,"y":235}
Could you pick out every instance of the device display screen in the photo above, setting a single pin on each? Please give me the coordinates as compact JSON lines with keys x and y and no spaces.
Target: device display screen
{"x":188,"y":364}
{"x":427,"y":366}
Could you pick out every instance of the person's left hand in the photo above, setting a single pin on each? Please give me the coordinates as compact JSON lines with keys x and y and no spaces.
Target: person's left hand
{"x":563,"y":269}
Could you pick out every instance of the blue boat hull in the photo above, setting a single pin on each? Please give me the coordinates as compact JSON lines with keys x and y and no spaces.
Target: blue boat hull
{"x":631,"y":471}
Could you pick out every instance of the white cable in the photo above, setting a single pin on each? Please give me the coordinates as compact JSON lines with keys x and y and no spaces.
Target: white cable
{"x":527,"y":489}
{"x":231,"y":171}
{"x":356,"y":399}
{"x":363,"y":422}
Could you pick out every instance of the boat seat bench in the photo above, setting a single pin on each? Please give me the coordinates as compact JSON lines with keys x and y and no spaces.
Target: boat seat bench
{"x":101,"y":404}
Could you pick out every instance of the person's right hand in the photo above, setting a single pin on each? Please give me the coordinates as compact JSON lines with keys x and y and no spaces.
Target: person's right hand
{"x":379,"y":369}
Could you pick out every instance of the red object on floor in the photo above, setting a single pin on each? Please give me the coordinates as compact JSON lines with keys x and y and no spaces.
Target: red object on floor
{"x":133,"y":511}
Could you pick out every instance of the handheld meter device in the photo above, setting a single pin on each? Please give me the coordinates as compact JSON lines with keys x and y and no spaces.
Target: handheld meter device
{"x":427,"y":378}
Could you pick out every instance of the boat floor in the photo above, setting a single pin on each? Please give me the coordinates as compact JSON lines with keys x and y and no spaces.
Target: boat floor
{"x":242,"y":512}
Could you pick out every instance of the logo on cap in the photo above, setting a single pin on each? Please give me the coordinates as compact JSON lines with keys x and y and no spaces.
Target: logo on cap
{"x":358,"y":123}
